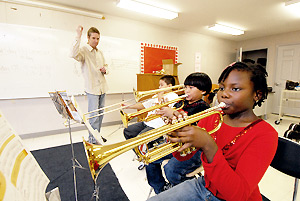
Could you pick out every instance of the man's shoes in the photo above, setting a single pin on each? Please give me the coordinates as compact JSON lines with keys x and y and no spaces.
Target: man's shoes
{"x":104,"y":140}
{"x":93,"y":140}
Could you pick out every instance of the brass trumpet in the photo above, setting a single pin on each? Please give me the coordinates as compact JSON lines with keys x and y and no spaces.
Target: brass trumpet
{"x":99,"y":155}
{"x":127,"y":117}
{"x":141,"y":94}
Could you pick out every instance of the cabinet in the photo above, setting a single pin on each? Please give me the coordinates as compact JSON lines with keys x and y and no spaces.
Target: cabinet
{"x":149,"y":81}
{"x":284,"y":97}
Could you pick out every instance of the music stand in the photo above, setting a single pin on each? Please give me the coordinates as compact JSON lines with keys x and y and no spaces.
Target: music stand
{"x":66,"y":108}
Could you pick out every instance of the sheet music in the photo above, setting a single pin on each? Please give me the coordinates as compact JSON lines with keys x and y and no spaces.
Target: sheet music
{"x":19,"y":171}
{"x":64,"y":105}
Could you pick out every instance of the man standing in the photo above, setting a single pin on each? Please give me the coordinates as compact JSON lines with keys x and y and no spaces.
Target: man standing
{"x":93,"y":68}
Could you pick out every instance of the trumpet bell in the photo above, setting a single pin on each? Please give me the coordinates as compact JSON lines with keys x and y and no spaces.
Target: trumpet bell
{"x":99,"y":155}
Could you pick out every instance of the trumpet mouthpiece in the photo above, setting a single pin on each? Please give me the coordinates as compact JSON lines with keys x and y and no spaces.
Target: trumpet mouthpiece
{"x":222,"y":105}
{"x":183,"y":96}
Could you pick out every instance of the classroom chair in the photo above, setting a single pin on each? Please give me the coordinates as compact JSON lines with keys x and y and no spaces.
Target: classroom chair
{"x":287,"y":161}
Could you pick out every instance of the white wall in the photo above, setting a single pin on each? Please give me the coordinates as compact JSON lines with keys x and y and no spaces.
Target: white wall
{"x":39,"y":115}
{"x":271,"y":42}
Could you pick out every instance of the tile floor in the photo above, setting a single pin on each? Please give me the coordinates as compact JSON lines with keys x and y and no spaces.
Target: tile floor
{"x":274,"y":185}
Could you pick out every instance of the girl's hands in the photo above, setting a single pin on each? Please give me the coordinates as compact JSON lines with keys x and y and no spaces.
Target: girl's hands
{"x":193,"y":136}
{"x":190,"y":136}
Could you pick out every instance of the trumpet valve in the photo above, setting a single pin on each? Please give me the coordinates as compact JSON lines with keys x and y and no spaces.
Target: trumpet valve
{"x":187,"y":151}
{"x":183,"y":153}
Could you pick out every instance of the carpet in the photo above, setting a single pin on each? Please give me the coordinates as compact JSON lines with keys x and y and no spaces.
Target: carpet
{"x":56,"y":162}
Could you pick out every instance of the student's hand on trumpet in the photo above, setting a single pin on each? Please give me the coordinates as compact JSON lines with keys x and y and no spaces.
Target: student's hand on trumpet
{"x":190,"y":136}
{"x":165,"y":111}
{"x":193,"y":136}
{"x":171,"y":115}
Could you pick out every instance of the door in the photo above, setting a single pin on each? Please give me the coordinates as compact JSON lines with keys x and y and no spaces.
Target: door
{"x":287,"y":68}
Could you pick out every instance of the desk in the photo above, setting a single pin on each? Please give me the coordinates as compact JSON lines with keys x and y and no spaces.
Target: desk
{"x":149,"y":81}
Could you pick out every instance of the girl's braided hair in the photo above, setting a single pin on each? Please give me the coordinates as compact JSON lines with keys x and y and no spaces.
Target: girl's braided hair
{"x":258,"y":76}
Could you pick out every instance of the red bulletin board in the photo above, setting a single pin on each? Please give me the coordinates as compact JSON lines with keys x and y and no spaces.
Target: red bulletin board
{"x":152,"y":56}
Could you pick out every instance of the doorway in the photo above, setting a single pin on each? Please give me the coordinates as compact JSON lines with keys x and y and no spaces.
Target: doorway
{"x":287,"y":68}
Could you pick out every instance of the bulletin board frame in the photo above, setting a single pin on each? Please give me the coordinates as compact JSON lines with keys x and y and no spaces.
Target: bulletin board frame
{"x":153,"y":54}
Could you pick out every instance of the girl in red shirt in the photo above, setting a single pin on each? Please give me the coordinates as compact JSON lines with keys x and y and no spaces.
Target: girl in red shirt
{"x":235,"y":157}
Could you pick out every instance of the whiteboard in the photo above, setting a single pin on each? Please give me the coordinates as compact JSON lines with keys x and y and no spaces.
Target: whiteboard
{"x":34,"y":61}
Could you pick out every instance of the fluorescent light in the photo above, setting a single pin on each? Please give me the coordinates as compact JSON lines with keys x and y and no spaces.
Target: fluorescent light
{"x":147,"y":9}
{"x":226,"y":29}
{"x":292,"y":3}
{"x":57,"y":7}
{"x":293,"y":6}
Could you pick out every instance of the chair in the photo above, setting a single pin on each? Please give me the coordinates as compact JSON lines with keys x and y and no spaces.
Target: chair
{"x":287,"y":160}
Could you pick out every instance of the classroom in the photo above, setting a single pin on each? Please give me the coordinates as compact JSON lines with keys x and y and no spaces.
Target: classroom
{"x":36,"y":39}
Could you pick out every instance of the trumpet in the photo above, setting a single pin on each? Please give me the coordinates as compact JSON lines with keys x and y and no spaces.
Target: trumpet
{"x":127,"y":117}
{"x":99,"y":155}
{"x":141,"y":94}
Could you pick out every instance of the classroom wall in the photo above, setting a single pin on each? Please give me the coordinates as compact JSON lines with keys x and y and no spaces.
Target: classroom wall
{"x":271,"y":42}
{"x":39,"y":116}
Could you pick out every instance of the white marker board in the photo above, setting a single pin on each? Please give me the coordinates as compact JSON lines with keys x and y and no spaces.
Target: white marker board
{"x":34,"y":61}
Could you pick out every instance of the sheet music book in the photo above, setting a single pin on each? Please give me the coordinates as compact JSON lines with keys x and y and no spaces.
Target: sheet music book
{"x":65,"y":106}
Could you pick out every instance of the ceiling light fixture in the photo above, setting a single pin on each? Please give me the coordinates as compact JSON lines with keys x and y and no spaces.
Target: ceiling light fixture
{"x":147,"y":9}
{"x":56,"y":7}
{"x":293,"y":6}
{"x":293,"y":3}
{"x":226,"y":29}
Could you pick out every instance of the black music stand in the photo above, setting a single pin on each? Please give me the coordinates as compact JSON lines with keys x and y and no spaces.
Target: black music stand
{"x":66,"y":108}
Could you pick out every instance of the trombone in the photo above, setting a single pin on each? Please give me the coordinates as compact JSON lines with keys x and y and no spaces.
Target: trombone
{"x":99,"y":155}
{"x":141,"y":94}
{"x":103,"y":108}
{"x":127,"y":117}
{"x":137,"y":96}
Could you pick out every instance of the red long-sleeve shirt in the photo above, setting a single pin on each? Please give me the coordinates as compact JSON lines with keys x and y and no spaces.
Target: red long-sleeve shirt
{"x":234,"y":175}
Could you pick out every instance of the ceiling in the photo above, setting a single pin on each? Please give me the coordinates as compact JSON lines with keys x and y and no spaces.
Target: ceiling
{"x":257,"y":17}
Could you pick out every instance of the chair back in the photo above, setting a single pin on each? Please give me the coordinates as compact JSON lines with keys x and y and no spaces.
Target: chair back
{"x":287,"y":157}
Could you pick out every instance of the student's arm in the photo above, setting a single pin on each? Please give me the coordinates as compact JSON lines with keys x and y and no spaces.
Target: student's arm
{"x":235,"y":174}
{"x":169,"y":111}
{"x":258,"y":149}
{"x":166,"y":112}
{"x":75,"y":51}
{"x":138,"y":106}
